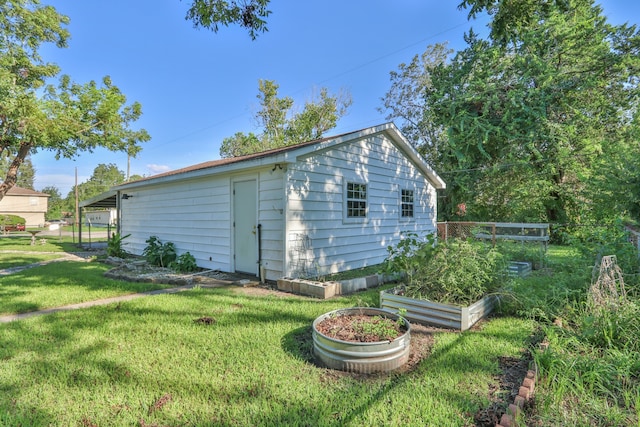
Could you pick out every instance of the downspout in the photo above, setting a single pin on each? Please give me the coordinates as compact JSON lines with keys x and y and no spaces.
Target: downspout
{"x":261,"y":269}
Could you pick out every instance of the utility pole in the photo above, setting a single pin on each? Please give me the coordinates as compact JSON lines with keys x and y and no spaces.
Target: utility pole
{"x":77,"y":203}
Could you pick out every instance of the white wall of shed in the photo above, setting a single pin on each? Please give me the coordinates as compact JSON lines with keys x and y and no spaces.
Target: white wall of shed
{"x":315,"y":191}
{"x":196,"y":215}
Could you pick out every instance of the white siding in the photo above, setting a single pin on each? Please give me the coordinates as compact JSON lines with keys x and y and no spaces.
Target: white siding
{"x":271,"y":219}
{"x":194,"y":215}
{"x":315,"y":192}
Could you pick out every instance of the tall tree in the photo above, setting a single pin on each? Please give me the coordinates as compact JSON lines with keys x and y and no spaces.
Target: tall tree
{"x":529,"y":111}
{"x":103,"y":178}
{"x":249,"y":14}
{"x":281,"y":127}
{"x":406,"y":101}
{"x":65,"y":118}
{"x":55,"y":204}
{"x":26,"y":173}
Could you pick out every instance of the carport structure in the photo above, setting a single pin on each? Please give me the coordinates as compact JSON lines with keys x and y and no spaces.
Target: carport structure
{"x":107,"y":200}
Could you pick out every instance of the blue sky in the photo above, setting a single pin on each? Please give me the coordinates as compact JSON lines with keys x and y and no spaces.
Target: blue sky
{"x":198,"y":87}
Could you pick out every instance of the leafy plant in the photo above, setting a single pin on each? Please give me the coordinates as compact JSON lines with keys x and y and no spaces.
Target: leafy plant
{"x":185,"y":263}
{"x":158,"y":253}
{"x":410,"y":254}
{"x":115,"y":246}
{"x":458,"y":272}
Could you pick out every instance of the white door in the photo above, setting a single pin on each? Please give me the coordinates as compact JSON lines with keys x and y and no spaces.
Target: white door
{"x":245,"y":227}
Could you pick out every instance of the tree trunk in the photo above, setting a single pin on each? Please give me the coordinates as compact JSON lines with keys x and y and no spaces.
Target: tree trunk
{"x":12,"y":174}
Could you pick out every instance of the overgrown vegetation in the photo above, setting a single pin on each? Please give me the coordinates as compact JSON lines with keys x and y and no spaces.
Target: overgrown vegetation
{"x":459,"y":272}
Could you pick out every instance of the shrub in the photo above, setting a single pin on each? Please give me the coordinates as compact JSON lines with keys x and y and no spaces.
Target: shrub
{"x":115,"y":246}
{"x":158,"y":253}
{"x":11,"y":220}
{"x":185,"y":263}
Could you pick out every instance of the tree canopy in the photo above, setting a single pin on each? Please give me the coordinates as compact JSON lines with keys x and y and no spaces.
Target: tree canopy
{"x":103,"y":178}
{"x":63,"y":117}
{"x":538,"y":121}
{"x":281,"y":127}
{"x":249,"y":14}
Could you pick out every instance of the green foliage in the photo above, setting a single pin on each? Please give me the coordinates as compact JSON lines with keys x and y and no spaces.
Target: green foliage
{"x":55,"y":204}
{"x":185,"y":263}
{"x":115,"y":246}
{"x":539,"y":122}
{"x":410,"y":255}
{"x":280,"y":131}
{"x":26,"y":173}
{"x":249,"y":14}
{"x":104,"y":177}
{"x":612,"y":327}
{"x":378,"y":326}
{"x":65,"y":118}
{"x":597,"y":241}
{"x":11,"y":220}
{"x":526,"y":252}
{"x":158,"y":253}
{"x":458,"y":272}
{"x":591,"y":366}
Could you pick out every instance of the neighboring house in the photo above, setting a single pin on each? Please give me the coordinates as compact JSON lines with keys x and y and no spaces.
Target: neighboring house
{"x":319,"y":207}
{"x":29,"y":204}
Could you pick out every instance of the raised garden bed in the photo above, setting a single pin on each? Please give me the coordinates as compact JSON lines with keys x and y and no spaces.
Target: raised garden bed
{"x":325,"y":290}
{"x":436,"y":314}
{"x":357,"y":353}
{"x":519,"y":269}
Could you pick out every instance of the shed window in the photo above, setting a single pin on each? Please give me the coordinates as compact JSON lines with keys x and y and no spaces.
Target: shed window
{"x":406,"y":204}
{"x":356,"y":200}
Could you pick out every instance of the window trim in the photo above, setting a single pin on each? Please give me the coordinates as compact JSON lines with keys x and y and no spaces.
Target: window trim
{"x":355,"y":219}
{"x":402,"y":203}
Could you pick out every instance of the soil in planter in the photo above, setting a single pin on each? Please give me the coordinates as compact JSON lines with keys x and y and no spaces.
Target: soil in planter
{"x":360,"y":328}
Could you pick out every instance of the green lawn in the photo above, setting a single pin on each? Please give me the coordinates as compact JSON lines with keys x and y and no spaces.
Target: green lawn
{"x":61,"y":283}
{"x":22,"y":259}
{"x":146,"y":362}
{"x":52,"y":243}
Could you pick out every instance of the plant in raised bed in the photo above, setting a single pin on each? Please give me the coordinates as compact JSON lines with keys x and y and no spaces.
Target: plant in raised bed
{"x":447,"y":284}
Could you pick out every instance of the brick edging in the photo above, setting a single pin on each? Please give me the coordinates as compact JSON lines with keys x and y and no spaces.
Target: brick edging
{"x":525,"y":393}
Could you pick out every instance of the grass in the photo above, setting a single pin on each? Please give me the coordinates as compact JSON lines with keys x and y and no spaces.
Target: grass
{"x":61,"y":283}
{"x":17,"y":260}
{"x":590,"y":373}
{"x":146,"y":362}
{"x":53,"y":244}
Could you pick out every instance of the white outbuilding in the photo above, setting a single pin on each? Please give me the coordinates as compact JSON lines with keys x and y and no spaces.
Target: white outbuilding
{"x":319,"y":207}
